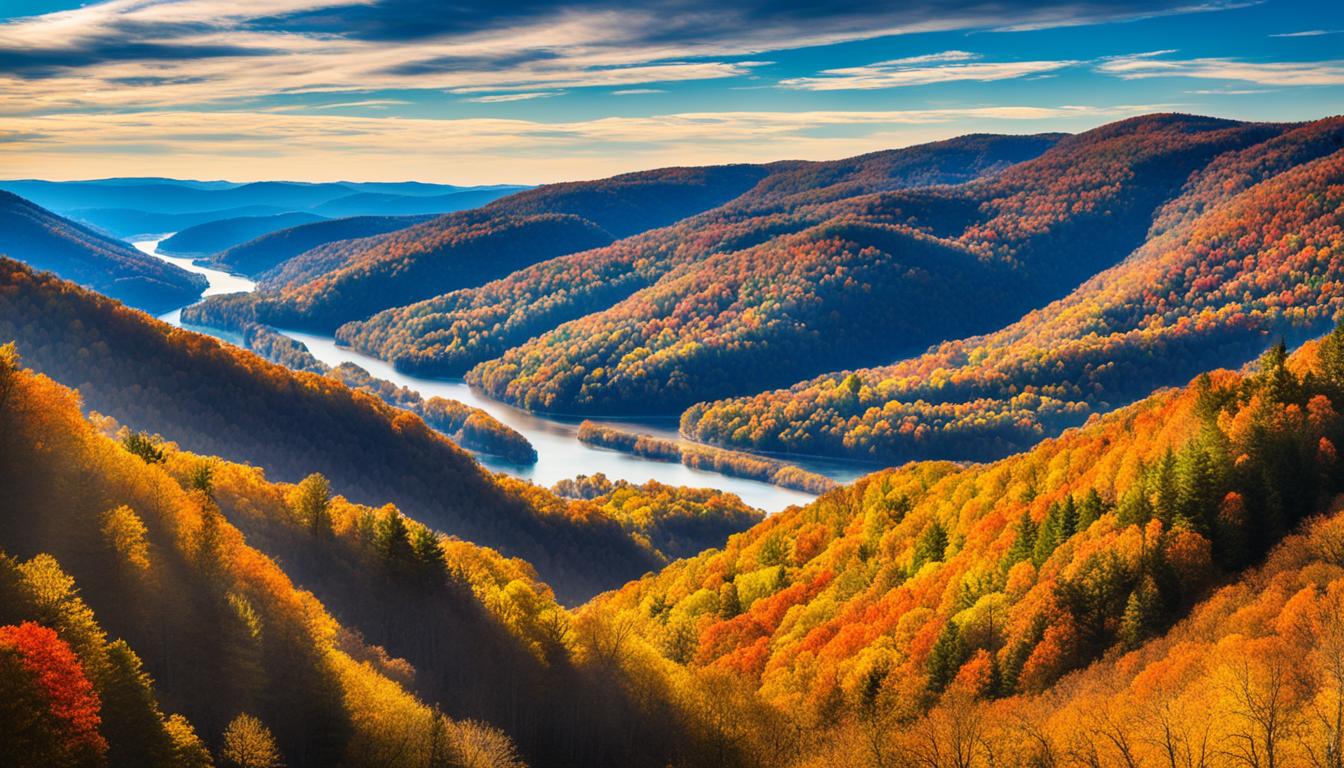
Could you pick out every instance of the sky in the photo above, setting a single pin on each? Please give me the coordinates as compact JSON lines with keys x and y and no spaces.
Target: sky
{"x":484,"y":91}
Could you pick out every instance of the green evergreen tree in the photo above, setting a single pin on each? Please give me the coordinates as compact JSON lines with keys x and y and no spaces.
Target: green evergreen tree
{"x":429,"y":560}
{"x":1024,"y":541}
{"x":1089,"y":510}
{"x":1049,"y":537}
{"x":144,"y":446}
{"x":1275,"y":381}
{"x":946,"y":657}
{"x":1142,"y":614}
{"x":1197,"y":489}
{"x":1164,"y":488}
{"x":314,"y":504}
{"x":931,"y":546}
{"x":1332,"y":361}
{"x":393,"y":541}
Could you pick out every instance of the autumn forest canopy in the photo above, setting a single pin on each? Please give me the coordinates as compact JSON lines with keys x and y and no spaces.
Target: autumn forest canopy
{"x":1091,"y":385}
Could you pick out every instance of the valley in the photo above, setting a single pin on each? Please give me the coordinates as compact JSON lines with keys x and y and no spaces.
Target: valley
{"x":560,"y":454}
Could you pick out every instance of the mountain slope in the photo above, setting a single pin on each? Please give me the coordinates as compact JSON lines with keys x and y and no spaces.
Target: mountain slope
{"x":934,"y":580}
{"x":219,"y":400}
{"x":1248,"y":251}
{"x":329,"y":285}
{"x":868,"y":278}
{"x":451,"y":333}
{"x":114,"y":547}
{"x":47,"y":241}
{"x":218,"y":235}
{"x":265,"y":252}
{"x":297,"y":292}
{"x":392,"y":204}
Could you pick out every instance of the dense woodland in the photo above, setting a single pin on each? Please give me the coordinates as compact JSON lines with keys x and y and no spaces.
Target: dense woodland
{"x":265,"y":252}
{"x":215,"y":236}
{"x":126,"y":594}
{"x":891,"y":613}
{"x":342,"y":281}
{"x":869,"y":278}
{"x":1253,"y":248}
{"x":1151,"y":579}
{"x":451,"y":333}
{"x":47,"y":241}
{"x":216,"y":399}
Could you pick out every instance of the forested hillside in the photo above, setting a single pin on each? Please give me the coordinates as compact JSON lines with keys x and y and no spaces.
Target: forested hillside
{"x":869,"y":278}
{"x":352,"y":279}
{"x":263,"y":253}
{"x":139,"y":629}
{"x":214,"y":398}
{"x":451,"y":333}
{"x":919,"y":605}
{"x":1251,"y":249}
{"x":347,"y":281}
{"x":47,"y":241}
{"x":215,"y":236}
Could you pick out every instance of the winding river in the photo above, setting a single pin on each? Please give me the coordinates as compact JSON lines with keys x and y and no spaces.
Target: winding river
{"x":560,"y":455}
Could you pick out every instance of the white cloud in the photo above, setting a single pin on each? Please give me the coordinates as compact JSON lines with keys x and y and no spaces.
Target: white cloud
{"x":137,"y":54}
{"x":1282,"y":73}
{"x":945,"y":67}
{"x":504,"y":97}
{"x":478,"y":150}
{"x":1309,"y":33}
{"x":637,"y":91}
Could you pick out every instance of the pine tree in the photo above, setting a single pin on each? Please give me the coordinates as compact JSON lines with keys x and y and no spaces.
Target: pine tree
{"x":1142,"y":614}
{"x":1024,"y":540}
{"x":1276,"y":382}
{"x":945,"y":658}
{"x":314,"y":504}
{"x":1164,"y":488}
{"x":393,"y":540}
{"x":144,"y":446}
{"x":1050,"y":536}
{"x":931,"y":546}
{"x":428,"y":553}
{"x":1089,"y":511}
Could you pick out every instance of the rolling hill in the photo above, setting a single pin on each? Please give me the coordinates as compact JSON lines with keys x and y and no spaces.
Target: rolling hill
{"x":129,"y":207}
{"x":887,"y":614}
{"x":222,"y":234}
{"x":265,"y":252}
{"x":314,"y":290}
{"x":451,"y":333}
{"x":214,"y":398}
{"x":47,"y":241}
{"x":868,"y":278}
{"x":127,"y":594}
{"x":1250,"y":250}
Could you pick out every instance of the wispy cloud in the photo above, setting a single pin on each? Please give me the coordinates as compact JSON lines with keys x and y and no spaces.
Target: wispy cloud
{"x":477,"y":150}
{"x":172,"y":53}
{"x":945,"y":67}
{"x":505,"y":97}
{"x":637,"y":91}
{"x":1279,"y":73}
{"x":1309,"y":33}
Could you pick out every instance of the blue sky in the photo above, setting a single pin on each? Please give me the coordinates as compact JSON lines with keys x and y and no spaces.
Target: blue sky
{"x":486,"y":92}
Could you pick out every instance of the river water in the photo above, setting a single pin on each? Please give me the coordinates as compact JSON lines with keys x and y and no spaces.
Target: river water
{"x":560,"y":455}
